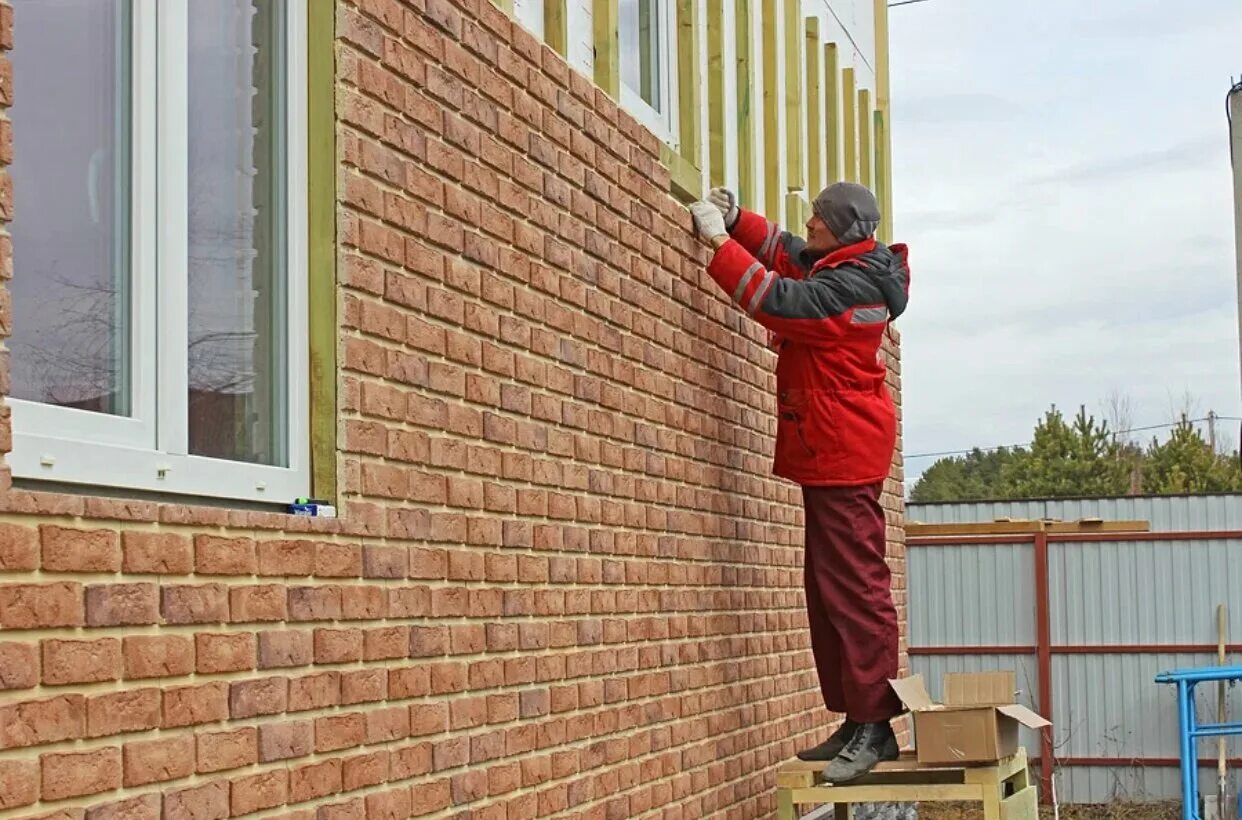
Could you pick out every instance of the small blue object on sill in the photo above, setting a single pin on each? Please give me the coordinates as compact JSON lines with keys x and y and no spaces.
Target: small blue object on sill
{"x":312,"y":507}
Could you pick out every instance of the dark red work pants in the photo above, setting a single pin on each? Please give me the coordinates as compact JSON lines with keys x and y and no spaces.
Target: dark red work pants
{"x":849,"y":601}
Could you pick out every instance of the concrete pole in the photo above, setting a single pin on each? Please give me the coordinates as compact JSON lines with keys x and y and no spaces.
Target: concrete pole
{"x":1235,"y":109}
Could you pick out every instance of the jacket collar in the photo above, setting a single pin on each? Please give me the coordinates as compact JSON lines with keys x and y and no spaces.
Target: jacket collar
{"x":844,"y":254}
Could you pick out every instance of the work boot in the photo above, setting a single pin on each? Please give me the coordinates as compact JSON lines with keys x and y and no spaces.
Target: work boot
{"x":831,"y":747}
{"x":872,"y":743}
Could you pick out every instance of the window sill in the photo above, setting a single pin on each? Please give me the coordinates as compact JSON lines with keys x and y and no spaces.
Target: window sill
{"x":686,"y":178}
{"x":24,"y":499}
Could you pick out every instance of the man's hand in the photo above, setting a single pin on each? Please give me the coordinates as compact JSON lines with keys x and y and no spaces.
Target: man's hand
{"x":726,"y":201}
{"x":709,"y":222}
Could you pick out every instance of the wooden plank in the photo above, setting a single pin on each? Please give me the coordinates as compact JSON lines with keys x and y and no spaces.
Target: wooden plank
{"x":794,"y":38}
{"x":556,"y":25}
{"x":866,"y":159}
{"x":995,"y":775}
{"x":745,"y":117}
{"x":884,"y":144}
{"x":605,"y":20}
{"x":797,"y":210}
{"x":689,"y":84}
{"x":882,"y":181}
{"x":833,"y":127}
{"x":685,"y":179}
{"x":323,"y":328}
{"x":772,"y":99}
{"x":785,"y":805}
{"x":887,"y":794}
{"x":1022,"y":805}
{"x":814,"y":110}
{"x":1098,"y":526}
{"x":849,"y":122}
{"x":716,"y":93}
{"x":915,"y":530}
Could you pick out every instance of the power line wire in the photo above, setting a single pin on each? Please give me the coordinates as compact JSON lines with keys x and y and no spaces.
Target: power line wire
{"x":1164,"y":426}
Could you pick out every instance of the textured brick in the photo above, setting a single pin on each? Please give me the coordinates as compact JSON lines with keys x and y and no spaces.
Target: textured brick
{"x":19,"y":782}
{"x":190,"y":705}
{"x":208,"y":802}
{"x":201,"y":604}
{"x":285,"y":648}
{"x":19,"y":665}
{"x":36,"y":722}
{"x":154,"y":761}
{"x":279,"y":741}
{"x":259,"y":791}
{"x":147,"y":807}
{"x":364,"y":770}
{"x":264,"y":696}
{"x":131,"y":710}
{"x":36,"y":606}
{"x":314,"y":780}
{"x":214,"y":555}
{"x":340,"y":732}
{"x":121,"y":605}
{"x":66,"y":662}
{"x":75,"y":774}
{"x":363,"y":602}
{"x":221,"y":751}
{"x":157,"y":656}
{"x":389,"y":805}
{"x":19,"y":548}
{"x":338,"y":645}
{"x":157,"y":553}
{"x":224,"y":652}
{"x":338,"y":560}
{"x":286,"y":557}
{"x":314,"y":603}
{"x":431,"y":797}
{"x":315,"y":691}
{"x":261,"y":603}
{"x":71,"y":550}
{"x":385,"y":643}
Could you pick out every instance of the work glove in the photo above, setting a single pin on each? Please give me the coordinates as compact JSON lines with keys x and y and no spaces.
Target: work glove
{"x":726,"y":201}
{"x":708,"y":220}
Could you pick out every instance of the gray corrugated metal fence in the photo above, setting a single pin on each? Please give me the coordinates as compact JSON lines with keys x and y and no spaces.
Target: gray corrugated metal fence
{"x":1176,"y":513}
{"x":1119,"y":610}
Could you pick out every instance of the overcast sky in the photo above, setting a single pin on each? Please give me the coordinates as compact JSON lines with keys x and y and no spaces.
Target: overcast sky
{"x":1061,"y":173}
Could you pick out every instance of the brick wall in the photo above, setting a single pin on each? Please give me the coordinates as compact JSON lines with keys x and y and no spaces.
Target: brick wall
{"x":564,"y":583}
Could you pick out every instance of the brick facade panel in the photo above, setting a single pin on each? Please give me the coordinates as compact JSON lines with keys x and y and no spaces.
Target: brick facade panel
{"x":563,"y":583}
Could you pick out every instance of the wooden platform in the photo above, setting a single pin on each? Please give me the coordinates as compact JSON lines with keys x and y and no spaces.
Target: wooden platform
{"x":1004,"y":790}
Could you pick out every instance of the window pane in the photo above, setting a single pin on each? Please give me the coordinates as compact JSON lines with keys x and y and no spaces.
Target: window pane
{"x":639,"y":36}
{"x":237,"y":229}
{"x":70,"y":342}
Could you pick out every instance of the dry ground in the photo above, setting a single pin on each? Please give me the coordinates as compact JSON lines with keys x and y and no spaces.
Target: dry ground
{"x":1113,"y":811}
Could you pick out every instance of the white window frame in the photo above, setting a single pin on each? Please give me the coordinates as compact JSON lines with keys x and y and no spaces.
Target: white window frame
{"x":530,"y":14}
{"x":149,"y":451}
{"x":661,"y":123}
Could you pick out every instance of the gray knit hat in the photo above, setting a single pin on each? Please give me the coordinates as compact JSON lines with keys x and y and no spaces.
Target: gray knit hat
{"x":849,"y":210}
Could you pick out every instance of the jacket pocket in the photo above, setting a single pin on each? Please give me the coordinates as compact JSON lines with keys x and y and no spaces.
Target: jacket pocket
{"x":866,"y":423}
{"x":798,"y":447}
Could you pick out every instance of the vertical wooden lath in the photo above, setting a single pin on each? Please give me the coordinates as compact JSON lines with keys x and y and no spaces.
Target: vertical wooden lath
{"x":814,"y":110}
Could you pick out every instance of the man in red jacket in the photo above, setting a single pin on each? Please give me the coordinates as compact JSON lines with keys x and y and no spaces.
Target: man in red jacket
{"x":829,"y":299}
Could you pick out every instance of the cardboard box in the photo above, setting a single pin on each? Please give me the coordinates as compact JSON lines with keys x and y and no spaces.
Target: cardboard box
{"x":977,"y":723}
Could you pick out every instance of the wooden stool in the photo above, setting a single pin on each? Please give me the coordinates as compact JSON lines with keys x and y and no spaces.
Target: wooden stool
{"x":1005,"y":789}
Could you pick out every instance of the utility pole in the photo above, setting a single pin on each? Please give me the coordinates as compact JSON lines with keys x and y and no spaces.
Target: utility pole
{"x":1234,"y":107}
